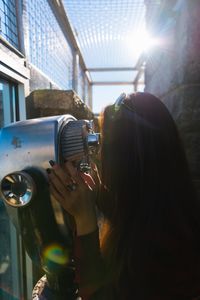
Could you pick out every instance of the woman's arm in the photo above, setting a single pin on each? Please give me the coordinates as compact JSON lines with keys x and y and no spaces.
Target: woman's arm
{"x":80,"y":203}
{"x":89,"y":263}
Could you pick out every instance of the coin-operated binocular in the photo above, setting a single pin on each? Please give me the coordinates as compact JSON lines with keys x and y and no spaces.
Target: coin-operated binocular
{"x":47,"y":231}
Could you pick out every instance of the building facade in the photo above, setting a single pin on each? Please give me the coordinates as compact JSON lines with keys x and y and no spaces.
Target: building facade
{"x":37,"y":51}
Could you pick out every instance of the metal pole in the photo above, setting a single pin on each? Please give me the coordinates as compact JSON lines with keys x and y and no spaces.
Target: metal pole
{"x":90,"y":100}
{"x":75,"y":71}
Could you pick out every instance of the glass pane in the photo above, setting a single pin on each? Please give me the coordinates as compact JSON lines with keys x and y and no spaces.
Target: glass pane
{"x":1,"y":106}
{"x":8,"y":24}
{"x":5,"y":254}
{"x":108,"y":31}
{"x":10,"y":278}
{"x":7,"y":103}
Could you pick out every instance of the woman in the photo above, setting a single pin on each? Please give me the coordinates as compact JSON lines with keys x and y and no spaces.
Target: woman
{"x":150,"y":240}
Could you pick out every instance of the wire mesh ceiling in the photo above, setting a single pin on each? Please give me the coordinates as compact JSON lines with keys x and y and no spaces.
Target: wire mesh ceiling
{"x":106,"y":30}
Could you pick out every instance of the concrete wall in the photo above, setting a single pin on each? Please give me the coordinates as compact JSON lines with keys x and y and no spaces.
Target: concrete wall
{"x":173,"y":68}
{"x":39,"y":81}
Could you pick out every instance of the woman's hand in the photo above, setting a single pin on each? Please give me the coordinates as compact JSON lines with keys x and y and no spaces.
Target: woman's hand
{"x":80,"y":201}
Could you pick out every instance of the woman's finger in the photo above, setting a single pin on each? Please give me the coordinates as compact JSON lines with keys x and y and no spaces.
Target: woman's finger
{"x":60,"y":173}
{"x":73,"y":172}
{"x":58,"y":185}
{"x":65,"y":203}
{"x":55,"y":194}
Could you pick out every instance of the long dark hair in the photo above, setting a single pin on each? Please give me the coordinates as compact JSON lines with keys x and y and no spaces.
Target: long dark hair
{"x":147,"y":195}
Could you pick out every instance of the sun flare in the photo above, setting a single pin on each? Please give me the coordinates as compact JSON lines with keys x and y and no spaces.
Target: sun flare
{"x":140,"y":42}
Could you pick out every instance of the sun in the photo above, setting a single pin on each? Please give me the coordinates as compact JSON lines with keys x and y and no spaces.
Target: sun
{"x":140,"y":42}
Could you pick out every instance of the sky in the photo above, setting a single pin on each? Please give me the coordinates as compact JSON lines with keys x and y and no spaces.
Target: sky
{"x":106,"y":95}
{"x":110,"y":34}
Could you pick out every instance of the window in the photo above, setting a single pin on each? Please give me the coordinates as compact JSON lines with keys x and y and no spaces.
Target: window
{"x":8,"y":103}
{"x":8,"y":22}
{"x":10,"y":250}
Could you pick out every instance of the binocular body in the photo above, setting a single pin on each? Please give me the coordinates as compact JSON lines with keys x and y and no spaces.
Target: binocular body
{"x":31,"y":143}
{"x":25,"y":150}
{"x":23,"y":145}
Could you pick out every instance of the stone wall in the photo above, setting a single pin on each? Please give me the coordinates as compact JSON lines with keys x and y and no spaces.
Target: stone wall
{"x":43,"y":103}
{"x":173,"y":69}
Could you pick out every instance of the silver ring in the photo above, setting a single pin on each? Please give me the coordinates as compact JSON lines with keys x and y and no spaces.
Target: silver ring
{"x":72,"y":186}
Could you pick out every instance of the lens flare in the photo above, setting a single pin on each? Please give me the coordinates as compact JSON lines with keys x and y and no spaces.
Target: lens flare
{"x":55,"y":256}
